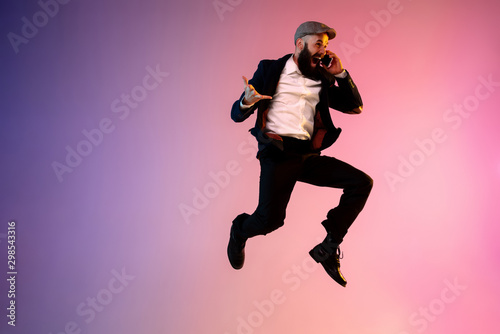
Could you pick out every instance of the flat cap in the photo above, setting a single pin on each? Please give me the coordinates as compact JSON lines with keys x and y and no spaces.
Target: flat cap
{"x":313,"y":28}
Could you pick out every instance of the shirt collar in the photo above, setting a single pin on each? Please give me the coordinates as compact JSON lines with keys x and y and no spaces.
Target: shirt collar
{"x":291,"y":67}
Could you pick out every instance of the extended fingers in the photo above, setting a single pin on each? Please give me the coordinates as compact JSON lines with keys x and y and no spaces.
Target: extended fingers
{"x":265,"y":97}
{"x":251,"y":94}
{"x":245,"y":80}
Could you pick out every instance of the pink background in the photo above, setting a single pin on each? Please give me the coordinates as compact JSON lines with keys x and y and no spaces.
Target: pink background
{"x":423,"y":257}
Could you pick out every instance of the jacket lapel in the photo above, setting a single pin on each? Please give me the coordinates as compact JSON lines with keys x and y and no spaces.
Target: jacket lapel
{"x":274,"y":73}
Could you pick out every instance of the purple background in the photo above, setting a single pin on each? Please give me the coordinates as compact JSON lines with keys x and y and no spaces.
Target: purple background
{"x":151,"y":196}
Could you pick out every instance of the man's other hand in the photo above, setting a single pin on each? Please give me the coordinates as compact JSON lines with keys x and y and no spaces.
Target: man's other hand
{"x":251,"y":95}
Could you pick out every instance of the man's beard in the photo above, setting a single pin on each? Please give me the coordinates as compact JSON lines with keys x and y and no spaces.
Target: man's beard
{"x":304,"y":63}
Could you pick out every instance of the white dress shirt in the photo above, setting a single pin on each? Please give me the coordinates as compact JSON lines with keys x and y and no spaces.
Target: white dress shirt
{"x":292,"y":109}
{"x":293,"y":106}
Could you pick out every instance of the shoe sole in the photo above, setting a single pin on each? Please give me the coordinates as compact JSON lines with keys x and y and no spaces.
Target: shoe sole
{"x":316,"y":255}
{"x":240,"y":260}
{"x":237,"y":267}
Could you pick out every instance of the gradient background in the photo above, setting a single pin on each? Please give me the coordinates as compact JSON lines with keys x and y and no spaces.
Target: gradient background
{"x":120,"y":209}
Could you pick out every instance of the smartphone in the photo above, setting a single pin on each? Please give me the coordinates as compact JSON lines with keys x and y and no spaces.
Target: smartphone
{"x":326,"y":61}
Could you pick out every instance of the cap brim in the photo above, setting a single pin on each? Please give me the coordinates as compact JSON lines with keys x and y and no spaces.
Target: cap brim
{"x":331,"y":33}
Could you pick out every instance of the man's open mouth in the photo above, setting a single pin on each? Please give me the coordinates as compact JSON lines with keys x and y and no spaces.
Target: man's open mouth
{"x":316,"y":60}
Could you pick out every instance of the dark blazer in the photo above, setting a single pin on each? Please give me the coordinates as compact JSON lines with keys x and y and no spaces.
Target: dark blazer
{"x":343,"y":97}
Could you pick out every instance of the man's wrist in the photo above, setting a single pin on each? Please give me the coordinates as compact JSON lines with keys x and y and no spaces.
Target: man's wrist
{"x":245,"y":106}
{"x":341,"y":75}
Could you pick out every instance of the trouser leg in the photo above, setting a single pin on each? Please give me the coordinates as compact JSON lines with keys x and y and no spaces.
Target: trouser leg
{"x":279,"y":172}
{"x":331,"y":172}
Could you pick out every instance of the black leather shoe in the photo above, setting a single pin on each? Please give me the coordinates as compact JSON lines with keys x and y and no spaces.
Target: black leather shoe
{"x":236,"y":246}
{"x":328,"y":254}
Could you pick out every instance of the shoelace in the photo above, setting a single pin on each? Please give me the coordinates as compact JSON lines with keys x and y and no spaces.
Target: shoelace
{"x":340,"y":254}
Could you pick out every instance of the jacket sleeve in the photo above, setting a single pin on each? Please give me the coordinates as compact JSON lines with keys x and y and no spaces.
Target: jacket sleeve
{"x":345,"y":97}
{"x":257,"y":82}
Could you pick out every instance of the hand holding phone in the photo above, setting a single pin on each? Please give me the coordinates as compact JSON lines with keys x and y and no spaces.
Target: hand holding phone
{"x":332,"y":63}
{"x":326,"y":61}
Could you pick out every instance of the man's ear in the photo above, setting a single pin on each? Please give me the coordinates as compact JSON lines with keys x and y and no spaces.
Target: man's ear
{"x":300,"y":44}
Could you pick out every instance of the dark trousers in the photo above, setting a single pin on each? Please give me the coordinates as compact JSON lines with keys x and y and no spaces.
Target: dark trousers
{"x":281,"y":169}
